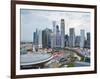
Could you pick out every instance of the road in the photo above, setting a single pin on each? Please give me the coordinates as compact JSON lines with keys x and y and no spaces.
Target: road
{"x":80,"y":64}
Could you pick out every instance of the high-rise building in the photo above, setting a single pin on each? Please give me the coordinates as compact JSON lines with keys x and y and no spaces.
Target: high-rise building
{"x":71,"y":37}
{"x":88,"y":36}
{"x":46,"y":38}
{"x":58,"y":37}
{"x":62,"y":33}
{"x":35,"y":39}
{"x":87,"y":41}
{"x":66,"y":40}
{"x":54,"y":35}
{"x":82,"y":38}
{"x":54,"y":27}
{"x":34,"y":35}
{"x":40,"y":39}
{"x":52,"y":40}
{"x":77,"y":41}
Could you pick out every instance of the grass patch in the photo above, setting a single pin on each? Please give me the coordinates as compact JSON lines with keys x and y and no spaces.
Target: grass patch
{"x":82,"y":58}
{"x":71,"y":65}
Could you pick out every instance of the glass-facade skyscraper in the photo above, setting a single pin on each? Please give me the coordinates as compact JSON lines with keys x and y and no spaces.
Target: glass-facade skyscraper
{"x":58,"y":37}
{"x":82,"y":38}
{"x":40,"y":39}
{"x":71,"y":37}
{"x":53,"y":38}
{"x":46,"y":38}
{"x":88,"y":40}
{"x":35,"y":38}
{"x":62,"y":33}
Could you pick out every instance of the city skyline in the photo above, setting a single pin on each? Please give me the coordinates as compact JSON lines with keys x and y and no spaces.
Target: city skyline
{"x":37,"y":19}
{"x":56,"y":39}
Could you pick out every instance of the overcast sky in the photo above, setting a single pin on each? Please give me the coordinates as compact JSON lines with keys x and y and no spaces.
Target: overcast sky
{"x":41,"y":19}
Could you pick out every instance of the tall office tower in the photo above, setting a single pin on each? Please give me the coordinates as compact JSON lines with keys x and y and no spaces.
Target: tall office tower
{"x":40,"y":39}
{"x":82,"y":38}
{"x":54,"y":27}
{"x":46,"y":38}
{"x":77,"y":41}
{"x":35,"y":38}
{"x":54,"y":34}
{"x":62,"y":33}
{"x":58,"y":37}
{"x":34,"y":35}
{"x":52,"y":40}
{"x":72,"y":37}
{"x":66,"y":40}
{"x":88,"y":40}
{"x":33,"y":45}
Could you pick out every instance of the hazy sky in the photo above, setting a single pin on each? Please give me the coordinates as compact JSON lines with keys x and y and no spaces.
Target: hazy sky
{"x":41,"y":19}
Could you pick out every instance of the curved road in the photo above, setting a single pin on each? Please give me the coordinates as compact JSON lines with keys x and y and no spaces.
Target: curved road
{"x":80,"y":64}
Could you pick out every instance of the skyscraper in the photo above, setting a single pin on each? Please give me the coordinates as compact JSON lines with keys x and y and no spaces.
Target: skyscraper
{"x":82,"y":38}
{"x":77,"y":41}
{"x":35,"y":39}
{"x":62,"y":33}
{"x":66,"y":40}
{"x":40,"y":39}
{"x":46,"y":38}
{"x":52,"y":40}
{"x":58,"y":37}
{"x":88,"y":40}
{"x":54,"y":35}
{"x":71,"y":37}
{"x":54,"y":27}
{"x":34,"y":35}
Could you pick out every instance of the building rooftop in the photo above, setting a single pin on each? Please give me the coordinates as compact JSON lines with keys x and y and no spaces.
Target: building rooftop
{"x":34,"y":58}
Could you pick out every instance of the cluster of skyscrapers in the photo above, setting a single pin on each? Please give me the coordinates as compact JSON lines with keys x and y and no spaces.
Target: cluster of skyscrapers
{"x":82,"y":40}
{"x":56,"y":37}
